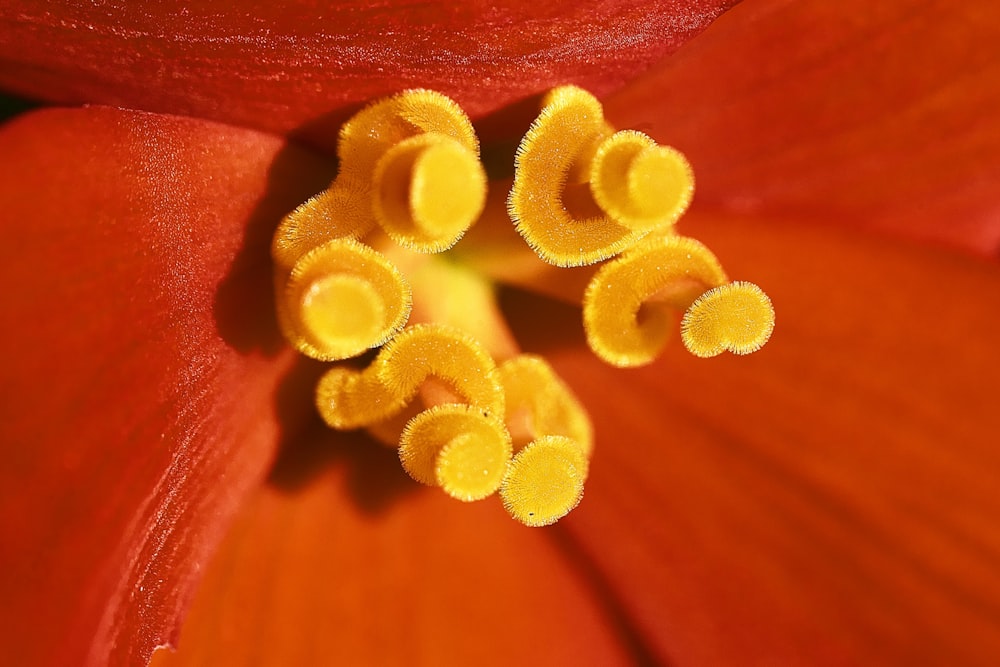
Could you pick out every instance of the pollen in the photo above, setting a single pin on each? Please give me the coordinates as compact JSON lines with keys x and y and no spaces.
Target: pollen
{"x":336,"y":213}
{"x":419,"y":155}
{"x":431,"y":188}
{"x":635,"y":185}
{"x":381,"y":263}
{"x":737,"y":317}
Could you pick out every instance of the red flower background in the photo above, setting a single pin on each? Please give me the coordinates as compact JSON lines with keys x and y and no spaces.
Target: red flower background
{"x":830,"y":500}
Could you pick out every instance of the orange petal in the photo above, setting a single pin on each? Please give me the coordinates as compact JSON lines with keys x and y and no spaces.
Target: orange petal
{"x":141,"y":361}
{"x":305,"y":66}
{"x":830,"y":500}
{"x":355,"y":564}
{"x":877,"y":116}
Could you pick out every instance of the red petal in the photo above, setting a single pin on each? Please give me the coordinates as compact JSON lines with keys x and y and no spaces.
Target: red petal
{"x":139,"y":380}
{"x":830,"y":500}
{"x":880,"y":116}
{"x":304,"y":65}
{"x":357,"y":565}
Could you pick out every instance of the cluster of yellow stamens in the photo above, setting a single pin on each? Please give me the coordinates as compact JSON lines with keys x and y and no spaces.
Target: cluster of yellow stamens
{"x":636,"y":190}
{"x":470,"y":417}
{"x":408,"y":165}
{"x":473,"y":417}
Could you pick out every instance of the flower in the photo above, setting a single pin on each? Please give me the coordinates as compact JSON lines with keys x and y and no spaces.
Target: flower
{"x":829,"y":501}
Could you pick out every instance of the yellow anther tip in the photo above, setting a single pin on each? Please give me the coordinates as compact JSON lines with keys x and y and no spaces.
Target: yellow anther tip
{"x":545,"y":481}
{"x":341,"y":299}
{"x":351,"y":399}
{"x":639,"y":184}
{"x":431,"y":188}
{"x":469,"y":468}
{"x":333,"y":399}
{"x":737,"y":317}
{"x":457,"y":447}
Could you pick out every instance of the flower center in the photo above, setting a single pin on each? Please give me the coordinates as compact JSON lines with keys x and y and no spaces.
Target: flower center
{"x":366,"y":265}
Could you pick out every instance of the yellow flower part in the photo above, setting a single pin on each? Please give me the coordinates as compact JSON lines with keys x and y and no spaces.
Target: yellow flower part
{"x":545,"y":481}
{"x":628,"y":304}
{"x":540,"y":404}
{"x":347,"y":398}
{"x":336,"y":213}
{"x":419,"y":154}
{"x":341,"y":299}
{"x":461,"y":448}
{"x":469,"y":413}
{"x":637,"y":186}
{"x":430,"y":189}
{"x":409,"y":163}
{"x":738,"y":317}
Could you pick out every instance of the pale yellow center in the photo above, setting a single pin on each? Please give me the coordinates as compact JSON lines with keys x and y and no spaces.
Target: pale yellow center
{"x":342,"y":311}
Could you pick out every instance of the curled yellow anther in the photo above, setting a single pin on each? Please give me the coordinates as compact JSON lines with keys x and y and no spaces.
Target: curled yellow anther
{"x":409,"y":162}
{"x":419,"y":154}
{"x":351,"y":399}
{"x":348,"y":399}
{"x":366,"y":137}
{"x":628,"y":305}
{"x":447,"y":354}
{"x":458,"y":447}
{"x":430,"y":188}
{"x":341,"y":299}
{"x":737,"y":317}
{"x":570,"y":121}
{"x":541,"y":404}
{"x":544,"y":481}
{"x":342,"y":211}
{"x":639,"y":184}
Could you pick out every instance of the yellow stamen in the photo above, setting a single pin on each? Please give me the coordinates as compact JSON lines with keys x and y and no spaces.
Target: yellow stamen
{"x":737,"y":317}
{"x":366,"y":137}
{"x":628,"y":305}
{"x":341,"y":299}
{"x":419,"y":154}
{"x":639,"y":186}
{"x":460,"y":448}
{"x":430,"y":190}
{"x":352,"y":399}
{"x":542,"y":403}
{"x":336,"y":213}
{"x":544,"y":481}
